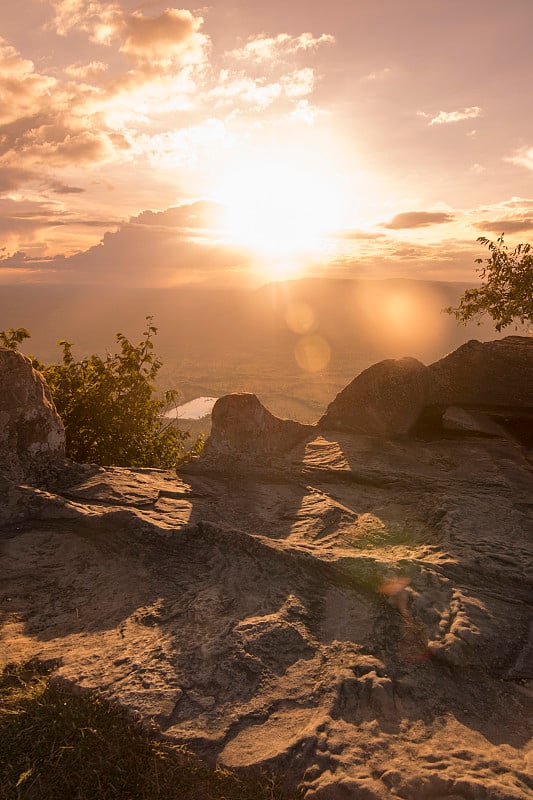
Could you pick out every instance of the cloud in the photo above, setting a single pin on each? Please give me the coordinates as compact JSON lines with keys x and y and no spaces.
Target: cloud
{"x":271,"y":48}
{"x":59,"y":147}
{"x":508,"y":225}
{"x":91,"y":71}
{"x":446,"y":117}
{"x":58,"y":187}
{"x":523,"y":157}
{"x":201,"y":215}
{"x":12,"y":178}
{"x":98,"y":19}
{"x":22,"y":90}
{"x":357,"y":235}
{"x":185,"y":147}
{"x":306,"y":112}
{"x":56,"y":131}
{"x":167,"y":39}
{"x":151,"y":249}
{"x":253,"y":92}
{"x":170,"y":35}
{"x":378,"y":75}
{"x":18,"y":260}
{"x":258,"y":93}
{"x":299,"y":83}
{"x":417,"y":219}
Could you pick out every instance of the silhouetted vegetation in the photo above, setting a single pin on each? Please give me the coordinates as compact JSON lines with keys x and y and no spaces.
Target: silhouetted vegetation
{"x":109,"y":405}
{"x":506,"y":293}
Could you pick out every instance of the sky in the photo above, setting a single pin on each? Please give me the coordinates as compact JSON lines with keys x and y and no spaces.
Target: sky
{"x":150,"y":144}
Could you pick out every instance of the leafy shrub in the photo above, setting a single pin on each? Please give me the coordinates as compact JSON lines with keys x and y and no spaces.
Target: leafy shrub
{"x":108,"y":405}
{"x":13,"y":337}
{"x":507,"y":291}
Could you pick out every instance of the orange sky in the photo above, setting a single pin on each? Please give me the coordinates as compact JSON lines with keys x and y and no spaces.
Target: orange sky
{"x":238,"y":143}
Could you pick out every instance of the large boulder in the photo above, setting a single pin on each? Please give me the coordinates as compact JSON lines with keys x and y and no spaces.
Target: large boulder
{"x":389,"y":398}
{"x":242,"y":431}
{"x":32,"y":437}
{"x":485,"y":375}
{"x":384,"y":400}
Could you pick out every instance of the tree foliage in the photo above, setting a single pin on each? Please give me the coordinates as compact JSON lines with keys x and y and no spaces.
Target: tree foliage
{"x":13,"y":337}
{"x":109,"y":407}
{"x":506,"y":293}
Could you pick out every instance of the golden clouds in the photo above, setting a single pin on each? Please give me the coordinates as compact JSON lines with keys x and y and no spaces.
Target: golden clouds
{"x":272,"y":48}
{"x":149,"y":89}
{"x":172,"y":34}
{"x":447,"y":117}
{"x":523,"y":157}
{"x":171,"y":38}
{"x":418,"y":219}
{"x":22,"y":90}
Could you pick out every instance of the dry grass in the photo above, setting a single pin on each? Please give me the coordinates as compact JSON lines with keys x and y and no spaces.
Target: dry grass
{"x":55,"y":745}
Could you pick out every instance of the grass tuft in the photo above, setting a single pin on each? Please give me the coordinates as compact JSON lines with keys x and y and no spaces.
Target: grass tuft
{"x":55,"y":745}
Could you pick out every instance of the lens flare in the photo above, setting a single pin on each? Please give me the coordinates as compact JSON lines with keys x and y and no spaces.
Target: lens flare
{"x":299,"y":317}
{"x":312,"y":353}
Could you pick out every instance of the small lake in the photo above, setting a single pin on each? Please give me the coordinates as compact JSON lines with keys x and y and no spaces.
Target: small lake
{"x":194,"y":409}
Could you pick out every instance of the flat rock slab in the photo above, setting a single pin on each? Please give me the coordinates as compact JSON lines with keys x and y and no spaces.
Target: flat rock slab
{"x":125,"y":487}
{"x":357,"y":617}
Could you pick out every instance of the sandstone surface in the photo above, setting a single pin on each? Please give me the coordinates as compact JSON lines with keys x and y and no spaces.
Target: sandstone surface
{"x":351,"y":611}
{"x":32,"y":437}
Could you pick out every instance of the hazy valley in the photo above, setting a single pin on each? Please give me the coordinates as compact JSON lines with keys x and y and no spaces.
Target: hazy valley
{"x":294,"y":344}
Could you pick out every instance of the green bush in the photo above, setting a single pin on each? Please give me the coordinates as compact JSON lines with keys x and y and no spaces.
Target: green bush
{"x":506,"y":293}
{"x":109,"y":408}
{"x":13,"y":337}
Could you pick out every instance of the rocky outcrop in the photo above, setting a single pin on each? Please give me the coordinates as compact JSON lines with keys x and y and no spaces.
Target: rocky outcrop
{"x":242,"y":430}
{"x":384,"y":400}
{"x":388,"y":398}
{"x":485,"y":375}
{"x":356,"y":618}
{"x":458,"y":420}
{"x":32,"y":437}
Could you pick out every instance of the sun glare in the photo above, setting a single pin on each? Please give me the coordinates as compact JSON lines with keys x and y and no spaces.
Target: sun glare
{"x":281,"y":209}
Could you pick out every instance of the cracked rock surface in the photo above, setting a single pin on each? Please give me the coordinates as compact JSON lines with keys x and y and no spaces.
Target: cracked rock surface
{"x":357,"y":616}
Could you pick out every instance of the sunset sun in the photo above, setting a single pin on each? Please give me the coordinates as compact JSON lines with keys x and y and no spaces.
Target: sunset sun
{"x":281,"y":209}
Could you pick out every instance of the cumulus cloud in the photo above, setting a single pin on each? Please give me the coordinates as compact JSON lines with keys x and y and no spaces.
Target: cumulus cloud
{"x":95,"y":18}
{"x":258,"y":93}
{"x":22,"y":90}
{"x":299,"y":83}
{"x":269,"y":48}
{"x":446,"y":117}
{"x":117,"y":109}
{"x":150,"y":41}
{"x":523,"y":157}
{"x":417,"y":219}
{"x":201,"y":215}
{"x":151,"y":249}
{"x":253,"y":92}
{"x":91,"y":71}
{"x":55,"y":146}
{"x":170,"y":35}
